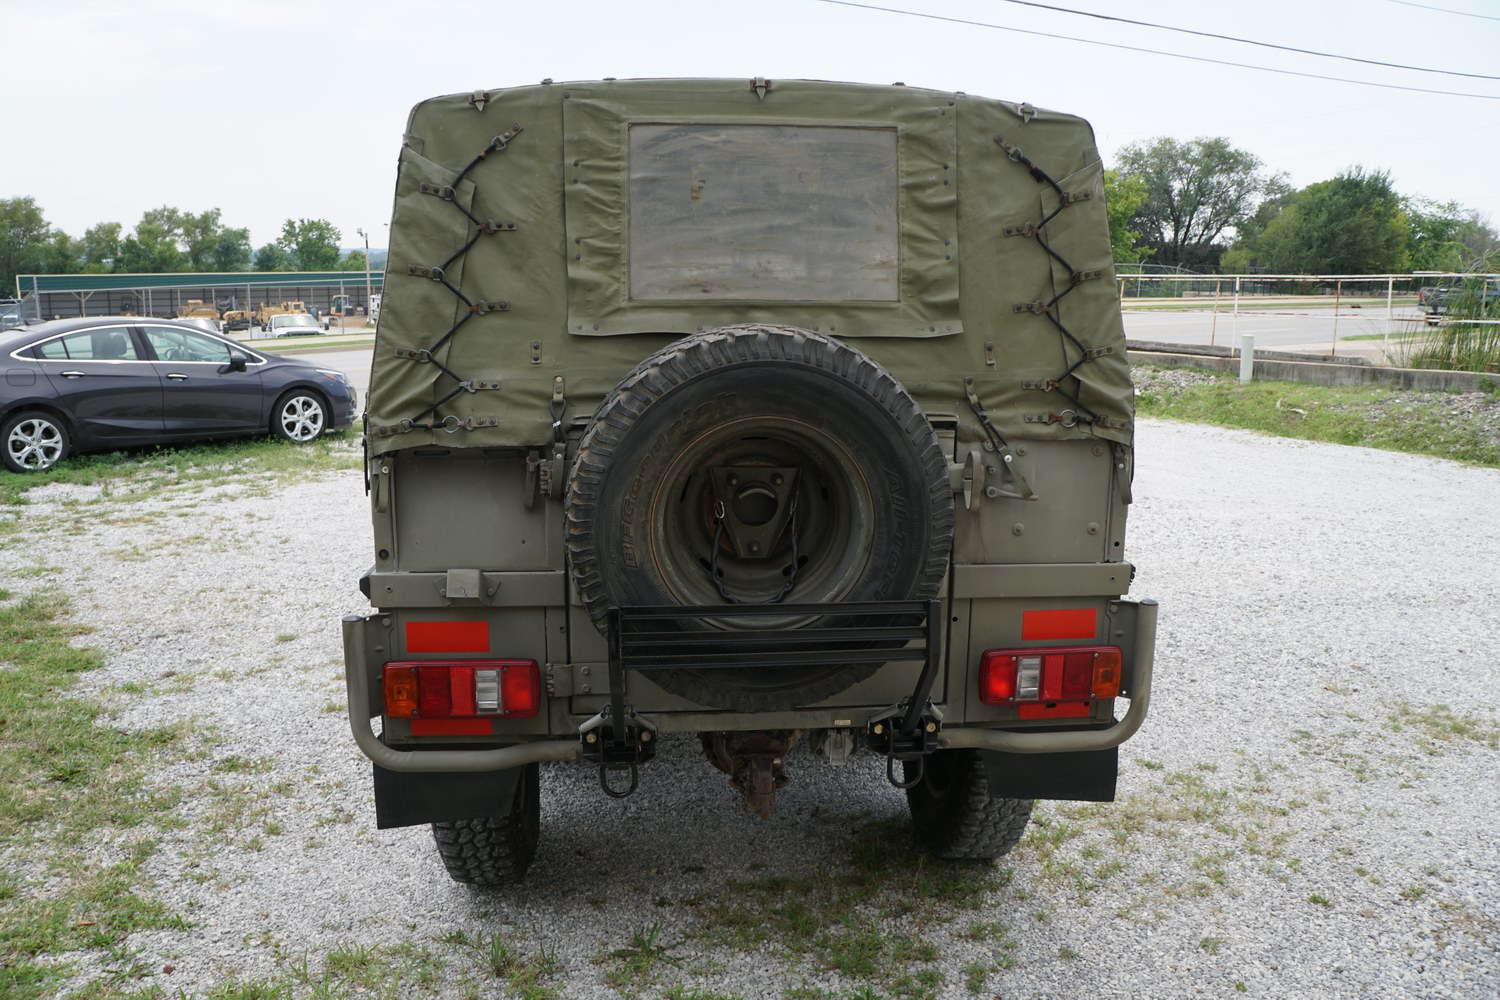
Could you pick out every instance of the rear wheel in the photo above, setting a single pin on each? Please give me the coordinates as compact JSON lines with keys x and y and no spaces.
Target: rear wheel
{"x":954,"y":812}
{"x":33,"y":442}
{"x":495,"y":850}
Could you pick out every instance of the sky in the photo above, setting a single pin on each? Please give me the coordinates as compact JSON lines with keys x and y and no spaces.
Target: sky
{"x":269,"y":109}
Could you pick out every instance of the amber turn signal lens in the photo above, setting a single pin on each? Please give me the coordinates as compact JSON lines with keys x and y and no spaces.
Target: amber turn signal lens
{"x":1107,"y":673}
{"x":400,"y":692}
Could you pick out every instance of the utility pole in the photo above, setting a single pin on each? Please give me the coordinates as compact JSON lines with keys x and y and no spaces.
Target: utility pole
{"x":366,"y":237}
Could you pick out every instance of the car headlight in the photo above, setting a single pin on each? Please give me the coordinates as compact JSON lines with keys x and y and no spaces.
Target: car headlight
{"x":334,"y":374}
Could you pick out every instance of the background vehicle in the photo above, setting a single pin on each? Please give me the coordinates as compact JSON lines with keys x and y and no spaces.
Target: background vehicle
{"x":236,"y":319}
{"x":374,"y":309}
{"x":198,"y":309}
{"x":294,"y":325}
{"x":793,"y":442}
{"x":112,"y":382}
{"x":11,"y":314}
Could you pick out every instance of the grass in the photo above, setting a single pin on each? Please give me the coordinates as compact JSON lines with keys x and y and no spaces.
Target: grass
{"x":1424,"y":423}
{"x":142,"y":471}
{"x":68,"y":781}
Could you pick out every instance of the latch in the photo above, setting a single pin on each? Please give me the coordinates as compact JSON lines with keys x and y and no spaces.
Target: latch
{"x":760,"y":85}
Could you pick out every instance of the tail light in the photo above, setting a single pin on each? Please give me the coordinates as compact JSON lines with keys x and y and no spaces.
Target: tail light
{"x":462,"y":689}
{"x":1051,"y":682}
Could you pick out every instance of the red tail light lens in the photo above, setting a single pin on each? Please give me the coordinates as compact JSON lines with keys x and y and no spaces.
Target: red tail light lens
{"x":1049,"y":676}
{"x":462,"y":689}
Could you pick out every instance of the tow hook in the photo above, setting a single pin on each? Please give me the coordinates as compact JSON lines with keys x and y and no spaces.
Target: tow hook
{"x":754,"y":762}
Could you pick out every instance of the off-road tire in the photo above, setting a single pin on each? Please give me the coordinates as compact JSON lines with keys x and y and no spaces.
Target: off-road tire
{"x":954,"y":813}
{"x":874,"y":438}
{"x":494,"y":851}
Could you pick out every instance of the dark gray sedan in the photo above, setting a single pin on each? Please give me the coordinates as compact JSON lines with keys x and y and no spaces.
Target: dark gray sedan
{"x":112,"y":382}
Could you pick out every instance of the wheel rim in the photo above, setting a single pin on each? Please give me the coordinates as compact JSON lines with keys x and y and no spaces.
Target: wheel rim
{"x":35,"y":443}
{"x":834,"y":520}
{"x":301,"y":418}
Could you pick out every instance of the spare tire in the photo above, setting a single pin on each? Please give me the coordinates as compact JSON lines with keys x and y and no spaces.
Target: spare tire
{"x":676,"y":470}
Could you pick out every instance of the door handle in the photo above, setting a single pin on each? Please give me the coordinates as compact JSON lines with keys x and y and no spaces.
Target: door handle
{"x":72,"y":374}
{"x":176,"y":376}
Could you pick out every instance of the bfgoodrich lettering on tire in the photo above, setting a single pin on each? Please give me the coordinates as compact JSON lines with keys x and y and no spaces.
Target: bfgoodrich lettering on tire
{"x":748,"y":464}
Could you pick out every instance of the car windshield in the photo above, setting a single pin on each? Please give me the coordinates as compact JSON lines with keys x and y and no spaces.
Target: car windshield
{"x":295,"y":319}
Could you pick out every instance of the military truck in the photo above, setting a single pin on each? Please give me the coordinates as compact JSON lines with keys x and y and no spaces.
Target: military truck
{"x":198,"y":309}
{"x":758,"y":411}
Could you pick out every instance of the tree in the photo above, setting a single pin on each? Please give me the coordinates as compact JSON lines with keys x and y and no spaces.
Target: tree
{"x":1352,"y":224}
{"x":101,"y":247}
{"x":272,"y":257}
{"x":24,"y":238}
{"x":1196,"y":192}
{"x":1122,"y":199}
{"x":211,"y":247}
{"x":354,"y":260}
{"x":310,"y":244}
{"x":1445,"y":236}
{"x":155,"y":247}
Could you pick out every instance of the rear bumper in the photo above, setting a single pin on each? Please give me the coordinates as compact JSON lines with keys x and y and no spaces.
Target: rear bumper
{"x":362,"y":709}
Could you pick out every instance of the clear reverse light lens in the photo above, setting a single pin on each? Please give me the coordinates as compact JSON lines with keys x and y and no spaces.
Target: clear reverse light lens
{"x":1028,"y":677}
{"x":487,"y":690}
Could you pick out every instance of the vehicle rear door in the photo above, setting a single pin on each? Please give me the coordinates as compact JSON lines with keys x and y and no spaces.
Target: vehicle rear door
{"x":201,"y":395}
{"x":102,"y":378}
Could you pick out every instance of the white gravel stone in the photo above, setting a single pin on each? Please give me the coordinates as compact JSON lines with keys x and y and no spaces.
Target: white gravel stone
{"x":1317,"y":603}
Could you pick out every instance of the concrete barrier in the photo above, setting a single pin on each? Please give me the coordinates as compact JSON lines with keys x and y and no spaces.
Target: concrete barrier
{"x":1278,"y":369}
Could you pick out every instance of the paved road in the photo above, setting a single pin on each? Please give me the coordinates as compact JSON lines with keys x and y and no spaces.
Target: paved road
{"x":1311,"y":327}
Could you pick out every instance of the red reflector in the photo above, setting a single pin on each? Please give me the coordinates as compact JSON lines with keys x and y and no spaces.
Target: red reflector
{"x":1054,"y":710}
{"x":461,"y":691}
{"x":1063,"y":623}
{"x":451,"y":727}
{"x":447,"y":637}
{"x":997,"y":678}
{"x":1052,"y":677}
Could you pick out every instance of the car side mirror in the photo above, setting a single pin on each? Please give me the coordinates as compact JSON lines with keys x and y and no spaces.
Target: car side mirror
{"x":237,"y":361}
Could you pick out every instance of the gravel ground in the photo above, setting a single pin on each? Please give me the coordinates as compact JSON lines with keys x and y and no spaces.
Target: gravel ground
{"x":1312,"y":808}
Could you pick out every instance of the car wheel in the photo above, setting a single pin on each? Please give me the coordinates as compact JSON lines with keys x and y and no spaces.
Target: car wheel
{"x":300,"y":416}
{"x":34,"y":442}
{"x":495,"y":851}
{"x":953,"y":811}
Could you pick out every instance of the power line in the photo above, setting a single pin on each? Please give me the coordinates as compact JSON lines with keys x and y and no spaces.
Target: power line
{"x":1445,"y":10}
{"x":1160,"y":52}
{"x":1248,"y":41}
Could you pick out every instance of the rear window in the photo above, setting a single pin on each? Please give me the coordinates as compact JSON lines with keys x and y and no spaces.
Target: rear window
{"x":786,"y":213}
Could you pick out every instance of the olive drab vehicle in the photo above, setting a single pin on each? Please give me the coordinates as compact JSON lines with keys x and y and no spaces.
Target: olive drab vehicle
{"x":762,"y":411}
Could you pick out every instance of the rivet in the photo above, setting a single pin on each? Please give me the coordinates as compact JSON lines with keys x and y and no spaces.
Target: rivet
{"x":1093,"y":528}
{"x":1018,"y":529}
{"x":586,"y":689}
{"x":584,"y":671}
{"x":992,"y":491}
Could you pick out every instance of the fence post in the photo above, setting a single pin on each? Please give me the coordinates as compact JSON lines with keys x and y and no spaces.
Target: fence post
{"x":1237,"y":305}
{"x":1213,"y":330}
{"x":1247,"y":358}
{"x":1338,"y":291}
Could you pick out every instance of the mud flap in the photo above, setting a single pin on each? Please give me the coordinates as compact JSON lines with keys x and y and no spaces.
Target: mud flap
{"x":1083,"y":776}
{"x":414,"y":799}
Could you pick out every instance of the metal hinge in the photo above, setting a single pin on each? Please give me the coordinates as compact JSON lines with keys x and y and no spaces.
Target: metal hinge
{"x":1072,"y":197}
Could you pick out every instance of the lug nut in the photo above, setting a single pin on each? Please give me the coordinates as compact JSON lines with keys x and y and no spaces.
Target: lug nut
{"x":879,"y":729}
{"x":592,"y":738}
{"x":932,"y":727}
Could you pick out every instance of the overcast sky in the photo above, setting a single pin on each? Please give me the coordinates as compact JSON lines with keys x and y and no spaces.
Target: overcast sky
{"x":270,"y":109}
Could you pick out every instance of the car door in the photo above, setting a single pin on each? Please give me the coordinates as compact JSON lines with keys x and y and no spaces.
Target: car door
{"x":112,"y":391}
{"x":201,"y":394}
